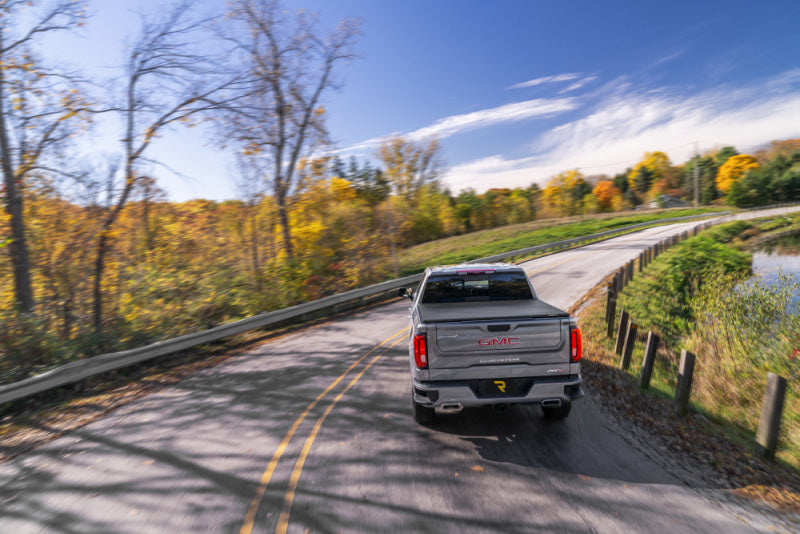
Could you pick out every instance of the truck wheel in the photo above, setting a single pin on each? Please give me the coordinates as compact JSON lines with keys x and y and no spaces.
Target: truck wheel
{"x":422,"y":414}
{"x":554,"y":413}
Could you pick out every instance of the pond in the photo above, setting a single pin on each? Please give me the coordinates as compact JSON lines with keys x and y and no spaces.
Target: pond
{"x":779,"y":256}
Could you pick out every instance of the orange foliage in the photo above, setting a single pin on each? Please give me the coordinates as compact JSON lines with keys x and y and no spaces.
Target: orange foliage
{"x":606,"y":191}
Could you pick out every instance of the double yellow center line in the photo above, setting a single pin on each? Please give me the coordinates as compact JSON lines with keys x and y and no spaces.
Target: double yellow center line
{"x":283,"y":521}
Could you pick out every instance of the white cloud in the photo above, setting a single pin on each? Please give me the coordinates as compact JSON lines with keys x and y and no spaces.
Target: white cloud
{"x":577,"y":85}
{"x":478,"y":119}
{"x":626,"y":125}
{"x":455,"y":124}
{"x":566,"y":77}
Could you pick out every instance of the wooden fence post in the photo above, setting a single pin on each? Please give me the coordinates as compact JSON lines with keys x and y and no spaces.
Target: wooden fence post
{"x":623,"y":325}
{"x":684,"y":388}
{"x":611,"y":314}
{"x":771,"y":411}
{"x":611,"y":308}
{"x":630,"y":341}
{"x":649,"y":360}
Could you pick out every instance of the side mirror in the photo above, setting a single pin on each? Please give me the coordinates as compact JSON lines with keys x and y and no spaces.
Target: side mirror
{"x":405,"y":292}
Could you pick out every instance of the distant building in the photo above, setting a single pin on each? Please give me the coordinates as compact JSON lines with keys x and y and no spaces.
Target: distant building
{"x":666,"y":201}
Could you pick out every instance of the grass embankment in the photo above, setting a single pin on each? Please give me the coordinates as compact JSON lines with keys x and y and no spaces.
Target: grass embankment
{"x":695,"y":297}
{"x":484,"y":243}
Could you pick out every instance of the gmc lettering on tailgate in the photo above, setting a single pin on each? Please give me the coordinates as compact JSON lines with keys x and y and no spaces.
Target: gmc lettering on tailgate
{"x":489,"y":341}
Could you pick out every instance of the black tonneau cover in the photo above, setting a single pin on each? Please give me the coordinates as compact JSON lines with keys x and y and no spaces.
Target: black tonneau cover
{"x":487,"y":311}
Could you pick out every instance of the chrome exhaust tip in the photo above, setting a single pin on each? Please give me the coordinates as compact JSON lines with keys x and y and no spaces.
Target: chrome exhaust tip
{"x":452,"y":407}
{"x":551,"y":403}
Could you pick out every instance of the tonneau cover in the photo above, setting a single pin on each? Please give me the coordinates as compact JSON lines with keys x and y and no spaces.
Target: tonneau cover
{"x":487,"y":310}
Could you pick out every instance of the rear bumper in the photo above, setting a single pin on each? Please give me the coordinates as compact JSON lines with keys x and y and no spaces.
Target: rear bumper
{"x":468,"y":393}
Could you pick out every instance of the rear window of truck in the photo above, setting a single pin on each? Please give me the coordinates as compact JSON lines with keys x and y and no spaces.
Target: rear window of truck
{"x":471,"y":287}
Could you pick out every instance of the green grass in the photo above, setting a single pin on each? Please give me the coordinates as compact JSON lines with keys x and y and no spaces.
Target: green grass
{"x":737,"y":334}
{"x":484,"y":243}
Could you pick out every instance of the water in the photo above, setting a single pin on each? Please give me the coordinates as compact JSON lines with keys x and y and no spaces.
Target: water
{"x":780,"y":256}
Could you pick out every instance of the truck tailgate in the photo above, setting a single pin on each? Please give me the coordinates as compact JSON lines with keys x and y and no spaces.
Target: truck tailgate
{"x":517,"y":341}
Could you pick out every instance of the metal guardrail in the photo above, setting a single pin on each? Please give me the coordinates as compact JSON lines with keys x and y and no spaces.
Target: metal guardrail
{"x":76,"y":371}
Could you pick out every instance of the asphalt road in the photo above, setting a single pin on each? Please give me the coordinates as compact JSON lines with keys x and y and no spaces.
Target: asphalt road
{"x":312,"y":432}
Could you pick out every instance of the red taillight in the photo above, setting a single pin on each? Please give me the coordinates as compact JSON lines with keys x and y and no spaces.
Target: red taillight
{"x":421,"y":351}
{"x":576,"y":344}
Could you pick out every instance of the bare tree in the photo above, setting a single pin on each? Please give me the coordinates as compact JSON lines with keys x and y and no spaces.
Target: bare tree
{"x":167,"y":81}
{"x":289,"y":65}
{"x":38,"y":111}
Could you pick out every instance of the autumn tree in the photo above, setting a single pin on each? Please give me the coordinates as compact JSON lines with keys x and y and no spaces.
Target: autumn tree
{"x":288,"y":65}
{"x":410,"y":165}
{"x":564,"y":193}
{"x":167,"y":81}
{"x":786,"y":147}
{"x":369,"y":182}
{"x":39,"y":108}
{"x":723,"y":154}
{"x":652,"y":169}
{"x":607,"y":194}
{"x":733,"y":170}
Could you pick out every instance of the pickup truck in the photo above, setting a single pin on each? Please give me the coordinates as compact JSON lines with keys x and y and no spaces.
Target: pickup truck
{"x":480,"y":336}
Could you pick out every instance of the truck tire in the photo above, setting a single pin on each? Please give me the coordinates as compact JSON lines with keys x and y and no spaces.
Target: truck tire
{"x":422,"y":414}
{"x":554,"y":413}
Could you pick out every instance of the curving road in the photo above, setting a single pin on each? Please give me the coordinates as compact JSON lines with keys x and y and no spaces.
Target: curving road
{"x":312,"y":432}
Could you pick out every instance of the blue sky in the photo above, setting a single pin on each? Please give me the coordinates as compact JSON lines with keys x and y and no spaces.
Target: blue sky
{"x":518,"y":91}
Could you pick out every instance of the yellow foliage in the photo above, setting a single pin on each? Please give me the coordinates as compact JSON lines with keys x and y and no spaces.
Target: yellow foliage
{"x":733,"y":170}
{"x":342,"y":190}
{"x":656,"y":162}
{"x":558,"y":195}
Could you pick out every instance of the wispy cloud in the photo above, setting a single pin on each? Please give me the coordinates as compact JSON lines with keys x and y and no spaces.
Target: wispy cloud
{"x":628,"y":123}
{"x":566,"y":77}
{"x":509,"y":113}
{"x":578,"y":85}
{"x":448,"y":126}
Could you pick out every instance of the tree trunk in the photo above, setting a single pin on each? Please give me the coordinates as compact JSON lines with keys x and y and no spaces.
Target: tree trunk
{"x":18,"y":248}
{"x":97,"y":289}
{"x":283,"y":217}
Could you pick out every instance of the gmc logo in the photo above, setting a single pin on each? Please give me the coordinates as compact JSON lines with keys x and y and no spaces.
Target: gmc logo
{"x":487,"y":342}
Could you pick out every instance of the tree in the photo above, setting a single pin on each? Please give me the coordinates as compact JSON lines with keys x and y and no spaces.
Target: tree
{"x":410,"y":165}
{"x":605,"y":192}
{"x":368,"y":182}
{"x":564,"y":193}
{"x":653,"y":168}
{"x":724,"y":154}
{"x":785,"y":148}
{"x":642,"y":179}
{"x":705,"y":169}
{"x":733,"y":170}
{"x":287,"y":67}
{"x":167,"y":81}
{"x":37,"y":112}
{"x":621,"y":181}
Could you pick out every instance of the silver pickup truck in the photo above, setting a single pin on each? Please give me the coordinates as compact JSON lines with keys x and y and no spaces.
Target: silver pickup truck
{"x":479,"y":336}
